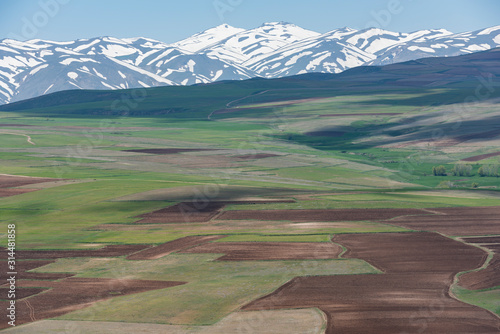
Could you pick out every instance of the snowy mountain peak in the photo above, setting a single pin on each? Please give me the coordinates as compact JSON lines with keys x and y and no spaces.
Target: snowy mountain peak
{"x":490,"y":30}
{"x":208,"y":37}
{"x":274,"y":49}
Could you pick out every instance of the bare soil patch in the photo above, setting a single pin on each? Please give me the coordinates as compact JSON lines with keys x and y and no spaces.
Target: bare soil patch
{"x":411,"y":296}
{"x":482,"y":156}
{"x":169,"y":150}
{"x":73,"y":294}
{"x":322,"y":215}
{"x":255,"y":251}
{"x":171,"y":247}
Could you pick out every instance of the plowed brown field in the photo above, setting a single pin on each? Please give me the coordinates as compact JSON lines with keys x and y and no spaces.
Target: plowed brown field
{"x":455,"y":221}
{"x":324,"y":215}
{"x":411,"y":296}
{"x":72,"y":294}
{"x":108,"y":251}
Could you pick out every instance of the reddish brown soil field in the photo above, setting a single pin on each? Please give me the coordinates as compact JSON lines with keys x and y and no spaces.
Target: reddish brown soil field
{"x":363,"y":114}
{"x":411,"y":296}
{"x":494,"y":248}
{"x":172,"y":246}
{"x":169,"y":150}
{"x":483,"y":279}
{"x":251,"y":251}
{"x":73,"y":294}
{"x":412,"y":252}
{"x":319,"y":215}
{"x":183,"y":212}
{"x":108,"y":251}
{"x":455,"y":221}
{"x":482,"y":156}
{"x":482,"y":240}
{"x":9,"y":181}
{"x":255,"y":156}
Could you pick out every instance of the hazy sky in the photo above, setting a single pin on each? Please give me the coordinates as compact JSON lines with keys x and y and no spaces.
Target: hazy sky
{"x":172,"y":20}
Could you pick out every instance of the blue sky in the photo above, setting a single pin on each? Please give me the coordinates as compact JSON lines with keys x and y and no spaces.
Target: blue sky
{"x":172,"y":20}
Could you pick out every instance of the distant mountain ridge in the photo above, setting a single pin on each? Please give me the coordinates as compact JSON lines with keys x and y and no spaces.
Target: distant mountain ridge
{"x":273,"y":50}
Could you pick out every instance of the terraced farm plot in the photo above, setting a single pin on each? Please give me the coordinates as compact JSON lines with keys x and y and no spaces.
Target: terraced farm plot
{"x":455,"y":221}
{"x":254,"y":251}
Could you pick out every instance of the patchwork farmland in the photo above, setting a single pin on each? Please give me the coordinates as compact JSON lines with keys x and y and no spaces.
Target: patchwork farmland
{"x":250,"y":207}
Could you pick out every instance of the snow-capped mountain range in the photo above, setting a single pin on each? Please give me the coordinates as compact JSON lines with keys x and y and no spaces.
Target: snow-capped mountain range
{"x":36,"y":67}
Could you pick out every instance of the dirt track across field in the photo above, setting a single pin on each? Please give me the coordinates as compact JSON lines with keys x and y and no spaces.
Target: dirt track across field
{"x":325,"y":215}
{"x":411,"y":295}
{"x":72,"y":294}
{"x":172,"y":246}
{"x":254,"y":251}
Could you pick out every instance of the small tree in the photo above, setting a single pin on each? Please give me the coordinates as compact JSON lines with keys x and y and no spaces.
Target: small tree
{"x":439,"y":170}
{"x":488,"y":170}
{"x":461,"y":170}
